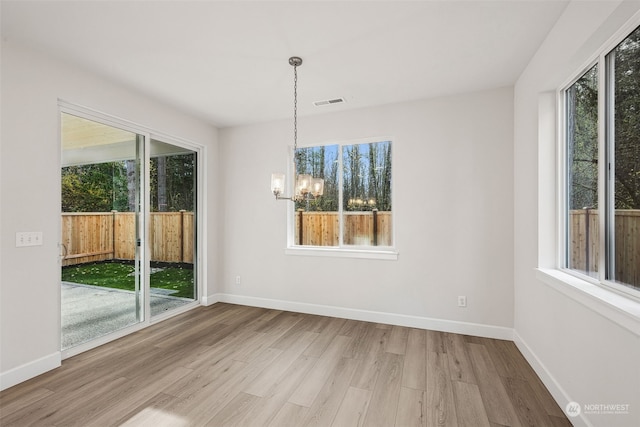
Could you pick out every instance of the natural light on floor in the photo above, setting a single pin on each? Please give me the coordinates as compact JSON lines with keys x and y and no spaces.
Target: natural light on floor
{"x":155,"y":418}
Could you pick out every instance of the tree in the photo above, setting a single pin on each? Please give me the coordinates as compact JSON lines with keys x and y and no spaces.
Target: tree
{"x":583,"y":130}
{"x":110,"y":186}
{"x":353,"y":185}
{"x":161,"y":183}
{"x":320,"y":162}
{"x":132,"y":185}
{"x":367,"y":176}
{"x":97,"y":187}
{"x":626,"y":58}
{"x":173,"y":183}
{"x":582,"y":139}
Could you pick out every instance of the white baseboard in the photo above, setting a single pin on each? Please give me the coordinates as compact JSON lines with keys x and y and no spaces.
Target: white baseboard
{"x":554,"y":387}
{"x":209,"y":299}
{"x":29,"y":370}
{"x":453,"y":326}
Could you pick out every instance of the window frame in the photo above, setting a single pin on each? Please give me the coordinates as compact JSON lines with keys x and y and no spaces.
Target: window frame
{"x":342,"y":250}
{"x":606,"y":209}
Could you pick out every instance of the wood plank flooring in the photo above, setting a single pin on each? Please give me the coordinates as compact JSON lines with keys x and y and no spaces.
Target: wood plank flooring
{"x":230,"y":365}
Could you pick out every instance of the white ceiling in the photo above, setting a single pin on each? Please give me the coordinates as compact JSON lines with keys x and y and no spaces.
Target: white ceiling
{"x":227,"y":61}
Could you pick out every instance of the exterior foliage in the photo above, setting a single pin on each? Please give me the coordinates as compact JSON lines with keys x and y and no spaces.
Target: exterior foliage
{"x":582,"y":138}
{"x":173,"y":183}
{"x":110,"y":186}
{"x":99,"y":187}
{"x":626,"y":59}
{"x":365,"y":174}
{"x":321,"y":162}
{"x":582,"y":128}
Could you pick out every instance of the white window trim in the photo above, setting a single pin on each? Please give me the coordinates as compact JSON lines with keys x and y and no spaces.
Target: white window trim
{"x":334,"y":251}
{"x":618,"y":308}
{"x":618,"y":303}
{"x":603,"y":155}
{"x":343,"y":251}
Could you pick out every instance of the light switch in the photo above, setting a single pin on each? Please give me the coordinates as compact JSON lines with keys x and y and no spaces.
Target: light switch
{"x":28,"y":238}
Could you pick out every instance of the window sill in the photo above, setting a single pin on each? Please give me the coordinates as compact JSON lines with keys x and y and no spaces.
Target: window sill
{"x":389,"y":255}
{"x":617,"y":308}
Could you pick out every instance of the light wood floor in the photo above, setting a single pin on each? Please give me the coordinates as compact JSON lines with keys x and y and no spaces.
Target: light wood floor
{"x":229,"y":365}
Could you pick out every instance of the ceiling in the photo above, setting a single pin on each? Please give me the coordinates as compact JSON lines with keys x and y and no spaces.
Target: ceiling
{"x":227,"y":61}
{"x":87,"y":142}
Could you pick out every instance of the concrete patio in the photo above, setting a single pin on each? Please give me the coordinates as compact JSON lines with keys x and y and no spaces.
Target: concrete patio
{"x":89,"y":312}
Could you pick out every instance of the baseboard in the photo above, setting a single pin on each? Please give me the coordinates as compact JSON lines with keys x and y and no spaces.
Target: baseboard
{"x":453,"y":326}
{"x":29,"y":370}
{"x":554,"y":387}
{"x":209,"y":299}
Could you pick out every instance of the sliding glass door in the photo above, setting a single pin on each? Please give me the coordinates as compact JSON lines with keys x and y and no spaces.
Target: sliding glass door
{"x":129,"y":229}
{"x":102,"y":223}
{"x":172,"y":226}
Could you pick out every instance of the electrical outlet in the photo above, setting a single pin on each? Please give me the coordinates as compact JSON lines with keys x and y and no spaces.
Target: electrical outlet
{"x":462,"y":301}
{"x":237,"y":280}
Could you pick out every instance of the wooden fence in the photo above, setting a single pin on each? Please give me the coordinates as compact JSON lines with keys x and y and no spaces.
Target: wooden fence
{"x":100,"y":236}
{"x":585,"y":243}
{"x":360,"y":228}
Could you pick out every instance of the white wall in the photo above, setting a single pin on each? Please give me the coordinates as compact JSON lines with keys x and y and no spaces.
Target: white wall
{"x":30,"y":196}
{"x":453,"y":204}
{"x":581,"y":354}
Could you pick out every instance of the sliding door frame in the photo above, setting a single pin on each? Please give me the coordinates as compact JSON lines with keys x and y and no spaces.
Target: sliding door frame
{"x":199,"y":223}
{"x":145,"y":215}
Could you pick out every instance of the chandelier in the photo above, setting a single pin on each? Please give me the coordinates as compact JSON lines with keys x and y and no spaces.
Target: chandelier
{"x":306,"y":186}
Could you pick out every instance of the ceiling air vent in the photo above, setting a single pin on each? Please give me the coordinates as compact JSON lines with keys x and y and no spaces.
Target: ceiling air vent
{"x":329,"y":102}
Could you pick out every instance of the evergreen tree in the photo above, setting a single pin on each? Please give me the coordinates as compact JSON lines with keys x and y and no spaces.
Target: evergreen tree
{"x":110,"y":186}
{"x":626,"y":58}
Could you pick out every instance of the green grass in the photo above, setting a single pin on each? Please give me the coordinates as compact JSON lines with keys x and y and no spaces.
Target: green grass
{"x":118,"y":276}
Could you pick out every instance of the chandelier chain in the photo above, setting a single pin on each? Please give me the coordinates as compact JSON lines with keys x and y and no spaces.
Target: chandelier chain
{"x":295,"y":109}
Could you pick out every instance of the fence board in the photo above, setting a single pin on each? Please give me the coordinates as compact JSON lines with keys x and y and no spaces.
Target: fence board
{"x":86,"y":237}
{"x":188,"y":233}
{"x":124,"y":235}
{"x":584,"y":250}
{"x":323,"y":228}
{"x":628,"y":246}
{"x":385,"y":236}
{"x":358,"y":228}
{"x":100,"y":236}
{"x":585,"y":240}
{"x":165,"y":235}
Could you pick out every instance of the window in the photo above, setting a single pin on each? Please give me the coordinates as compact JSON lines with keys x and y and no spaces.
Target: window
{"x":355,"y":211}
{"x":623,"y":150}
{"x":602,"y":170}
{"x":582,"y":168}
